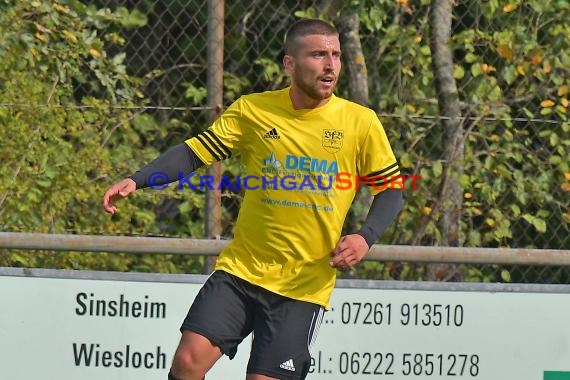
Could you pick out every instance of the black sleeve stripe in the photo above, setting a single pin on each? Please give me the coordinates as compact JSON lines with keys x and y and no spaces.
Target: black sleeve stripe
{"x":214,"y":146}
{"x":387,"y":175}
{"x":381,"y":172}
{"x":382,"y":179}
{"x":202,"y":139}
{"x":211,"y":134}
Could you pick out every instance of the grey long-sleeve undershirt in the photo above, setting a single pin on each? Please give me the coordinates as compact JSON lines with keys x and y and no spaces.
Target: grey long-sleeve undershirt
{"x":384,"y":209}
{"x":178,"y":159}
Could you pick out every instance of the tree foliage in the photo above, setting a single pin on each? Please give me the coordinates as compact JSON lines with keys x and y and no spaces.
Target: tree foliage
{"x":71,"y":124}
{"x":76,"y":120}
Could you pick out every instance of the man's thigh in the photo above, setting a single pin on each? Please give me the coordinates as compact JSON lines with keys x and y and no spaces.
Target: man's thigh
{"x":284,"y":334}
{"x":221,"y":312}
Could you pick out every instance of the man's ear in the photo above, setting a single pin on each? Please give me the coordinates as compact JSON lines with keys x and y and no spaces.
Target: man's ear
{"x":288,"y":63}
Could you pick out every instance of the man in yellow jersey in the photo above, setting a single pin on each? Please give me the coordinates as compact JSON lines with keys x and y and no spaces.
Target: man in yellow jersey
{"x":305,"y":152}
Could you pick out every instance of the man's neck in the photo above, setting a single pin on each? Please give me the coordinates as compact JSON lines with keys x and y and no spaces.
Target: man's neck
{"x":302,"y":101}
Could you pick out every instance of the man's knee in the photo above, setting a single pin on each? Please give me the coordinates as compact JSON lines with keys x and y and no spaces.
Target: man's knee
{"x":184,"y":360}
{"x":194,"y":356}
{"x":185,"y":363}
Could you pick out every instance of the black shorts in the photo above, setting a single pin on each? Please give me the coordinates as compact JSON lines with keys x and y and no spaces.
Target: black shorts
{"x":227,"y":309}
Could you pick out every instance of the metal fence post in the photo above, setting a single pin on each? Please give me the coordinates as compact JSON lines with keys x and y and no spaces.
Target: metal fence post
{"x":215,"y":87}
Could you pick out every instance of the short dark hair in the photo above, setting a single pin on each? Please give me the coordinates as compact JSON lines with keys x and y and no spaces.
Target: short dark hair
{"x":307,"y":27}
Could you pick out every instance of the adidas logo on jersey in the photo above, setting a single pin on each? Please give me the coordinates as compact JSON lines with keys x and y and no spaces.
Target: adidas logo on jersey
{"x":272,"y":134}
{"x":288,"y":365}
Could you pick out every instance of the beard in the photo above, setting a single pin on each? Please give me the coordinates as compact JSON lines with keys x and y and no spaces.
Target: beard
{"x":315,"y":89}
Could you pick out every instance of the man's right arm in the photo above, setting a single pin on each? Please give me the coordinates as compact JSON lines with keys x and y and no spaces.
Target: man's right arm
{"x":176,"y":160}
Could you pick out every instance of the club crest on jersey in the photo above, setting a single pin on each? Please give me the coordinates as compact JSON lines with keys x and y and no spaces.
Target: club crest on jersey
{"x":332,"y":140}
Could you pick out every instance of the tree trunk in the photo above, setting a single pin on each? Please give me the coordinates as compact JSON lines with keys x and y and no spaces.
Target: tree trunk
{"x":451,"y":192}
{"x":348,"y":26}
{"x":349,"y":29}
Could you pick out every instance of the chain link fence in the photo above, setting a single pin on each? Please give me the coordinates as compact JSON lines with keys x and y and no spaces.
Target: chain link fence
{"x":511,"y":72}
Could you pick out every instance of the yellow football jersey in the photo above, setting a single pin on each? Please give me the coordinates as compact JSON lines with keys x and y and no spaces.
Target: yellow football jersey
{"x":301,"y":176}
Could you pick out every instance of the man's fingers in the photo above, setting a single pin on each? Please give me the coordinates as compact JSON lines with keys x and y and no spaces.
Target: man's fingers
{"x":341,"y":259}
{"x":117,"y":191}
{"x":340,"y":246}
{"x":108,"y":202}
{"x":348,"y":251}
{"x":338,"y":254}
{"x":109,"y":199}
{"x":341,"y":265}
{"x":111,"y":209}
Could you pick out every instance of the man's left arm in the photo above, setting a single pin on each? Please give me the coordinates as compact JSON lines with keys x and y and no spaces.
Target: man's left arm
{"x":351,"y":249}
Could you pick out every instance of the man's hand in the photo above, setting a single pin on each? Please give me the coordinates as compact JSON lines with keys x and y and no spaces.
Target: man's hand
{"x":118,"y":191}
{"x":349,"y":251}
